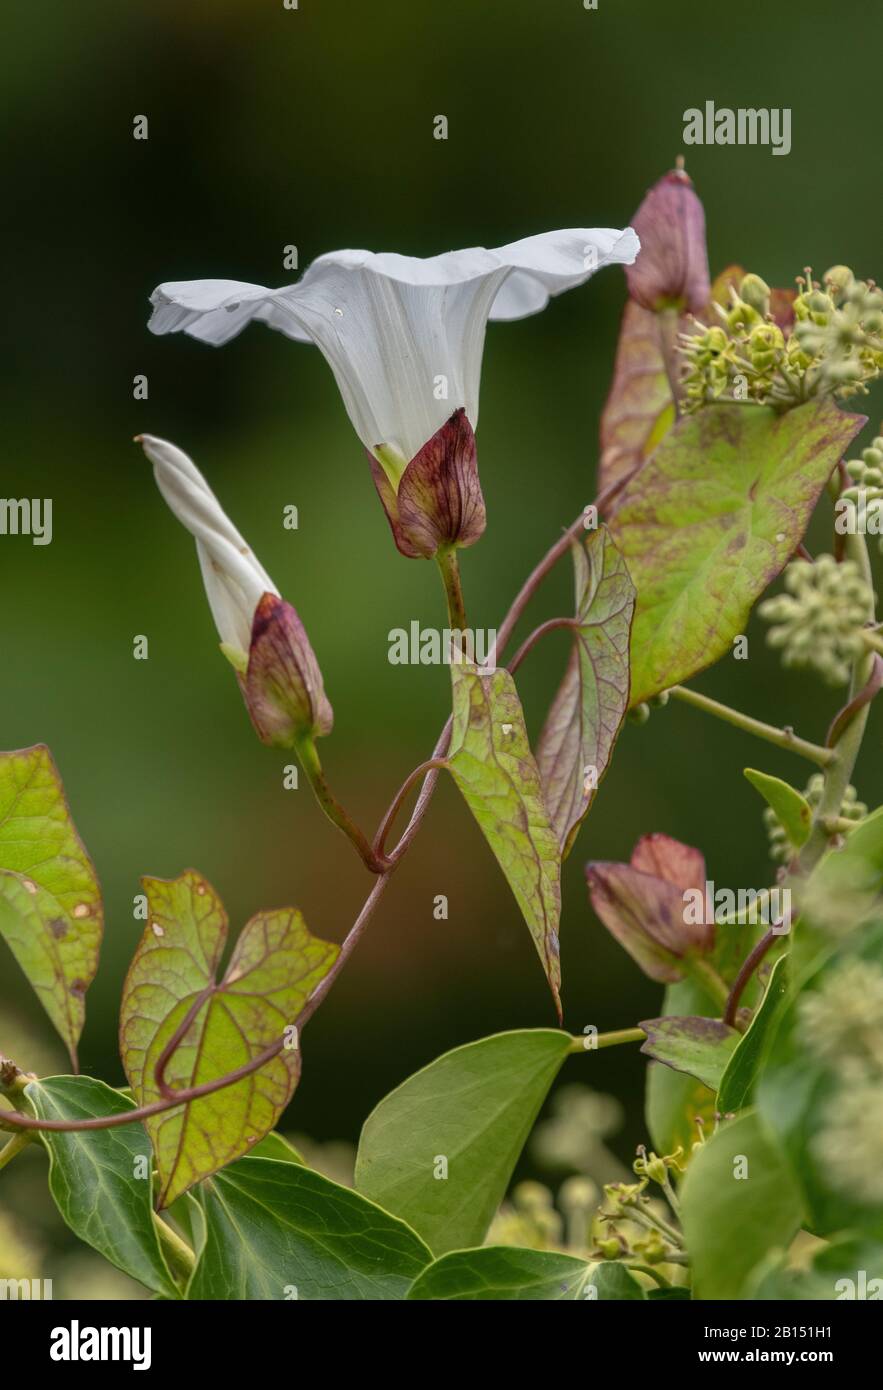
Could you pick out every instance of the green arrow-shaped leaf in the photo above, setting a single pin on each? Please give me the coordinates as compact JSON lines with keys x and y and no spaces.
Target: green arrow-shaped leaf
{"x":274,"y":968}
{"x":740,"y":1073}
{"x":439,"y":1150}
{"x":791,"y":807}
{"x":502,"y":1273}
{"x":491,"y":762}
{"x":282,"y":1231}
{"x":709,"y":522}
{"x":50,"y":901}
{"x":100,"y":1178}
{"x":587,"y":713}
{"x":702,"y":1047}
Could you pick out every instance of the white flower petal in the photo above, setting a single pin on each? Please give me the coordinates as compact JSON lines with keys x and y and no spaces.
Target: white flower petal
{"x":234,"y":579}
{"x":403,"y":336}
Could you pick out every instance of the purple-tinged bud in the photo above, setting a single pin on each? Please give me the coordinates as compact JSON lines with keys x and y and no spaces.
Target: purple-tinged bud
{"x":671,"y":270}
{"x":282,"y":684}
{"x":643,"y":904}
{"x":437,"y":500}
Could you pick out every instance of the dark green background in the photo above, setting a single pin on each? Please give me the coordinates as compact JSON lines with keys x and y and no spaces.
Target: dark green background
{"x":314,"y":127}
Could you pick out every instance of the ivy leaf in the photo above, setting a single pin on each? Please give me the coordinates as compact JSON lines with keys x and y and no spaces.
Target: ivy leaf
{"x":791,"y":807}
{"x":468,"y":1114}
{"x":702,"y":1047}
{"x":274,"y":968}
{"x":275,"y":1145}
{"x":710,"y":521}
{"x":639,"y":409}
{"x":614,"y":1283}
{"x":503,"y":1273}
{"x":92,"y":1177}
{"x":738,"y":1203}
{"x":491,"y":762}
{"x":587,"y":713}
{"x":737,"y":1083}
{"x":50,"y":901}
{"x":282,"y":1231}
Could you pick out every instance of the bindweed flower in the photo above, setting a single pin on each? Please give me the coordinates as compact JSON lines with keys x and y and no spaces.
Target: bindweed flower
{"x":672,"y":269}
{"x":404,"y":338}
{"x":261,"y":635}
{"x":642,"y":904}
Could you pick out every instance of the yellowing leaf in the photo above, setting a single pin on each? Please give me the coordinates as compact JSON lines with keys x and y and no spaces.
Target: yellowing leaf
{"x":714,"y":516}
{"x":491,"y":762}
{"x":640,"y":409}
{"x":274,"y":969}
{"x":587,"y":713}
{"x":50,"y":901}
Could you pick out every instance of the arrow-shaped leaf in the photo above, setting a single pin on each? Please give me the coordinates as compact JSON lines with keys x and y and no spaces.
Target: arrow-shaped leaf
{"x":491,"y":762}
{"x":50,"y":902}
{"x":587,"y":713}
{"x":713,"y":516}
{"x":439,"y":1150}
{"x":274,"y":969}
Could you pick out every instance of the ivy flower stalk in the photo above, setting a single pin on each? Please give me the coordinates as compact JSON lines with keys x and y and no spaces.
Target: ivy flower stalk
{"x":404,"y":337}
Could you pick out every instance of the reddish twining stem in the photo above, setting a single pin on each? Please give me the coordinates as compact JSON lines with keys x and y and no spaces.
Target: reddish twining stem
{"x":864,"y":697}
{"x":13,"y":1119}
{"x":746,"y":970}
{"x":530,"y":642}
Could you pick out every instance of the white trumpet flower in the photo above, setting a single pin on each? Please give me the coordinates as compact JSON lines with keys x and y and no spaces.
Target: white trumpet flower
{"x":403,"y":336}
{"x":234,"y":579}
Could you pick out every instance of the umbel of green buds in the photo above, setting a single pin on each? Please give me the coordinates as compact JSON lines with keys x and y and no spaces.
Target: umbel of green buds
{"x":437,"y":500}
{"x":866,"y":487}
{"x":671,"y":270}
{"x":830,"y":342}
{"x":261,"y":635}
{"x":817,"y":624}
{"x":782,"y":850}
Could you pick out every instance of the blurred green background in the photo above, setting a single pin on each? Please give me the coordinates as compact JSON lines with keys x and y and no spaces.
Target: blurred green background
{"x":314,"y":127}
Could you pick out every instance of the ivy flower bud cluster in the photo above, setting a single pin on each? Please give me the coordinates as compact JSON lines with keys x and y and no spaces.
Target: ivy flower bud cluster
{"x":867,"y":479}
{"x":817,"y":624}
{"x":782,"y":850}
{"x":775,"y":347}
{"x":842,"y":1025}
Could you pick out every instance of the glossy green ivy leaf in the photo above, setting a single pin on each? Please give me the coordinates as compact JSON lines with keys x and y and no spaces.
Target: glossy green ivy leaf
{"x":101,"y":1178}
{"x":713,"y":516}
{"x":675,"y":1101}
{"x":282,"y":1231}
{"x":275,"y":967}
{"x":737,"y":1083}
{"x":819,"y":1091}
{"x":503,"y":1273}
{"x":613,"y":1283}
{"x":738,"y":1203}
{"x":587,"y":713}
{"x":50,"y":901}
{"x":850,"y":1269}
{"x":791,"y":807}
{"x":275,"y":1145}
{"x":491,"y":762}
{"x":440,"y":1149}
{"x":702,"y":1047}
